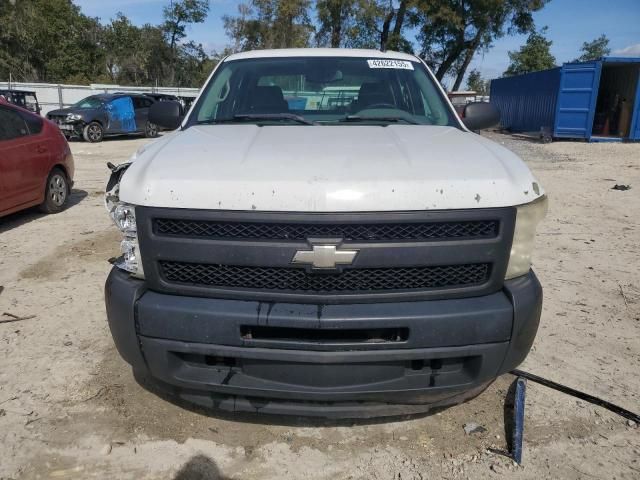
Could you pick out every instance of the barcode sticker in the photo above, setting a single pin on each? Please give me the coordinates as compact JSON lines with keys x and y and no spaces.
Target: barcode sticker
{"x":388,"y":63}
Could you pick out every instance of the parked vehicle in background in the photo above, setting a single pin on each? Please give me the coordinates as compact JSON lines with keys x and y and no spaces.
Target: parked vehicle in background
{"x":165,"y":97}
{"x":323,"y":235}
{"x":22,"y":98}
{"x":98,"y":116}
{"x":36,"y":165}
{"x":185,"y":102}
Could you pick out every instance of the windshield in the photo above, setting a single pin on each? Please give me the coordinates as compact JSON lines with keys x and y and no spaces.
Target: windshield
{"x":89,"y":102}
{"x":322,"y":90}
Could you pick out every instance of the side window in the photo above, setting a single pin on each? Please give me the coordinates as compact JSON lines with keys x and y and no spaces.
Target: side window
{"x":141,"y":102}
{"x":11,"y":125}
{"x":33,"y":123}
{"x":31,"y":102}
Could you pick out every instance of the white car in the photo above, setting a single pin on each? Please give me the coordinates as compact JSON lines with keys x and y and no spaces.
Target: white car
{"x":364,"y":256}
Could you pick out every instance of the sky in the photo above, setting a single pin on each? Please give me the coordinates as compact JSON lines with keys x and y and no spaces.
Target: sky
{"x":570,"y":23}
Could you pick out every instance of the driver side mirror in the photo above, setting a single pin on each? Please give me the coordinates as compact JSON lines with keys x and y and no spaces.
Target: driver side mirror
{"x":166,"y":114}
{"x":480,"y":115}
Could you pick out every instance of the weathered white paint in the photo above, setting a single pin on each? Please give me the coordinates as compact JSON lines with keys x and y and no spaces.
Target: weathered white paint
{"x":327,"y":169}
{"x":321,"y":52}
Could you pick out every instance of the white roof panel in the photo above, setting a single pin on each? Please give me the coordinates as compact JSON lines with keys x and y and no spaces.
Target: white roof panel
{"x":321,"y":52}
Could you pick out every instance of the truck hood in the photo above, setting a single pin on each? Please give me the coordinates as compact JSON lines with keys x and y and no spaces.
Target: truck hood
{"x":341,"y":168}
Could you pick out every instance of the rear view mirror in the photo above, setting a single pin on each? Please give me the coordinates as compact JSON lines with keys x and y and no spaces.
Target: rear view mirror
{"x":323,"y":76}
{"x":166,"y":114}
{"x":480,"y":115}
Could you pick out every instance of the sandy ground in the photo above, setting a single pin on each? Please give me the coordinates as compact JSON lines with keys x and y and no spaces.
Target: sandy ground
{"x":69,"y":407}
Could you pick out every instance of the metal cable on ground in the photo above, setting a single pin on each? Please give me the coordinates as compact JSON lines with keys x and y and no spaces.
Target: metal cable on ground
{"x":578,"y":394}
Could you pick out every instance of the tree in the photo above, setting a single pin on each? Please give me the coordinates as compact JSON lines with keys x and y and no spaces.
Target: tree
{"x":594,"y":49}
{"x":363,"y":23}
{"x":476,"y":83}
{"x":48,"y":40}
{"x":270,"y":24}
{"x":533,"y":56}
{"x":393,"y":39}
{"x":52,"y":41}
{"x":177,"y":16}
{"x":335,"y":18}
{"x":451,"y":32}
{"x":121,"y":41}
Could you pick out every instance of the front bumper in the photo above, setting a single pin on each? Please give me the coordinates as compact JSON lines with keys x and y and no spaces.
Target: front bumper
{"x":69,"y":128}
{"x":357,"y":360}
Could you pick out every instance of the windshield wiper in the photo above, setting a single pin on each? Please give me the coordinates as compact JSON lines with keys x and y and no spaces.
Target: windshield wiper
{"x":390,"y":118}
{"x":261,"y":116}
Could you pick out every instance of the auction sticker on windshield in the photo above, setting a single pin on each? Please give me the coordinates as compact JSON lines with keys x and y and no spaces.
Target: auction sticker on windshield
{"x":384,"y":63}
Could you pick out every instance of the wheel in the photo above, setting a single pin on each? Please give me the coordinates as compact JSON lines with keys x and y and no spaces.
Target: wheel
{"x":150,"y":130}
{"x":56,"y":192}
{"x":93,"y":132}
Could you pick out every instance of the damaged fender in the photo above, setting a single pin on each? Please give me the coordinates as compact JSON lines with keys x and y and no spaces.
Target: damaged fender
{"x":112,"y":190}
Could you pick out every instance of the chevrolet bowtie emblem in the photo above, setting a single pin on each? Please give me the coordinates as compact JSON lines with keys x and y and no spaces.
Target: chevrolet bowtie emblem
{"x":324,"y":256}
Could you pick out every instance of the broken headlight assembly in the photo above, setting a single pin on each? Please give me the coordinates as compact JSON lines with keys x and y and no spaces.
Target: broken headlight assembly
{"x":124,"y":216}
{"x":73,"y":117}
{"x":528,"y":217}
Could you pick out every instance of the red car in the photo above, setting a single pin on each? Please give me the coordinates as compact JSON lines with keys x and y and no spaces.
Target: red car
{"x":36,"y":165}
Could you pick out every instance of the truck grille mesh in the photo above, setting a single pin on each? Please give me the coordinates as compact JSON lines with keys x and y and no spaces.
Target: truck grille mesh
{"x":295,"y":279}
{"x":302,"y":231}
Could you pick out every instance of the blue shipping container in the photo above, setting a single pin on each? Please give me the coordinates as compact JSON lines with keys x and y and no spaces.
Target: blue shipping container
{"x":596,"y":101}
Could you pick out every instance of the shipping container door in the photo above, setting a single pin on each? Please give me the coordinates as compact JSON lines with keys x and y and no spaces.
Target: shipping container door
{"x":577,"y":99}
{"x":634,"y":134}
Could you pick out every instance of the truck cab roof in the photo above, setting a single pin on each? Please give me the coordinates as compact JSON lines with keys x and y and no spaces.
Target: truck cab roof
{"x":321,"y":52}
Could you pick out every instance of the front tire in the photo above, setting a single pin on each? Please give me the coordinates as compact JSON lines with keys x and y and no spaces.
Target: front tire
{"x":150,"y":130}
{"x":93,"y":132}
{"x":56,"y":193}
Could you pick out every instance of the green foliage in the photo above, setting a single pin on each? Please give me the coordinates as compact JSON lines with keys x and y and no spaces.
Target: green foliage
{"x":270,"y":24}
{"x":476,"y":83}
{"x":340,"y":23}
{"x":47,"y":40}
{"x":336,"y":18}
{"x":452,"y":31}
{"x":365,"y":31}
{"x":594,"y":49}
{"x":533,"y":56}
{"x":52,"y":41}
{"x":178,"y":14}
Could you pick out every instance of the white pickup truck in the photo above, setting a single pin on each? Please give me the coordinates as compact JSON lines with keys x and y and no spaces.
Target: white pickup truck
{"x":323,"y":235}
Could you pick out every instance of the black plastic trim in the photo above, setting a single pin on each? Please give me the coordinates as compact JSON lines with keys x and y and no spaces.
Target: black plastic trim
{"x":434,"y":323}
{"x":280,"y":253}
{"x":121,"y":294}
{"x":477,"y":339}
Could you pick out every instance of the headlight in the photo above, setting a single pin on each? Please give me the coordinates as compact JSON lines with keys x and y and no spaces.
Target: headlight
{"x":73,"y":117}
{"x":124,"y":216}
{"x":527,"y":219}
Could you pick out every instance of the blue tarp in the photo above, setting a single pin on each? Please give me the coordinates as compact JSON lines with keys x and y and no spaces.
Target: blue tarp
{"x":121,"y":114}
